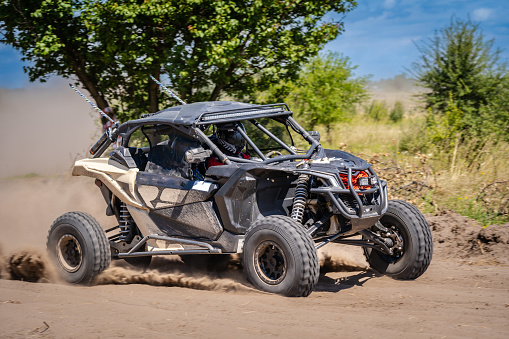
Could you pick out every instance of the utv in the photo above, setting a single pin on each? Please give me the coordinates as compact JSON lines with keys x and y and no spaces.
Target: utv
{"x":275,"y":200}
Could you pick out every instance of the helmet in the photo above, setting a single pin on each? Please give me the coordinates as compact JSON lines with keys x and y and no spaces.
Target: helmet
{"x":230,"y":140}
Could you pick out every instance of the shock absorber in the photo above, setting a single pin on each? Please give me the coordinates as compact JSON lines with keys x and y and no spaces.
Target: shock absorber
{"x":301,"y":195}
{"x":125,"y":223}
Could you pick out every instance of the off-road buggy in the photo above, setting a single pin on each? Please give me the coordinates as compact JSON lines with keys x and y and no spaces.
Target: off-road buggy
{"x":275,"y":207}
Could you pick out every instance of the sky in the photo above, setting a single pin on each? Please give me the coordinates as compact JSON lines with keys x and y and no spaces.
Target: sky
{"x":379,"y":37}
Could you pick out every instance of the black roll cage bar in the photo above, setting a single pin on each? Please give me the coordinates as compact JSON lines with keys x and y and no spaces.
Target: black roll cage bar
{"x":250,"y":114}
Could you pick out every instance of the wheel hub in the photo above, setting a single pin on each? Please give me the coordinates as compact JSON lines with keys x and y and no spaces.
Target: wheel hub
{"x":69,"y":253}
{"x":394,"y":241}
{"x":270,"y":262}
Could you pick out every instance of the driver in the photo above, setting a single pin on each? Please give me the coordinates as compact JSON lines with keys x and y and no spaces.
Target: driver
{"x":229,"y":141}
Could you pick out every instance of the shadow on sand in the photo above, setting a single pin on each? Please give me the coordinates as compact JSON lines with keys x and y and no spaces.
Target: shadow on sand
{"x":328,"y":284}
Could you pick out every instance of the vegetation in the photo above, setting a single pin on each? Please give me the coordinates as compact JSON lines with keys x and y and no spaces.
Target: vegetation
{"x":397,"y":112}
{"x":466,"y":86}
{"x":479,"y":190}
{"x":326,"y":91}
{"x":454,"y":153}
{"x":202,"y":48}
{"x":377,"y":110}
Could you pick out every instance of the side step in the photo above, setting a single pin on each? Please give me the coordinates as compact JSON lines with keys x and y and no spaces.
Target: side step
{"x":203,"y":248}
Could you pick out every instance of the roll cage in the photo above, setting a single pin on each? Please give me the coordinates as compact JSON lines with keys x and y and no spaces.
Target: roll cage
{"x":195,"y":127}
{"x":294,"y":155}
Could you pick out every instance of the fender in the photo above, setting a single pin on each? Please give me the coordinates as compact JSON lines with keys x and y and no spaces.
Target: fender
{"x":120,"y":180}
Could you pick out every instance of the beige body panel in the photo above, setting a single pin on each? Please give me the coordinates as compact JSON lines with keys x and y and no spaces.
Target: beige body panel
{"x":119,"y":179}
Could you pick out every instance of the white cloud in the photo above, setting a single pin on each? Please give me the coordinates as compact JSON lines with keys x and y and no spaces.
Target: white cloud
{"x":481,"y":14}
{"x":388,"y":4}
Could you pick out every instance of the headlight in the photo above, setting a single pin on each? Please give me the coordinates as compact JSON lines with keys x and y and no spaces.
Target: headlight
{"x":363,"y":181}
{"x":360,"y":181}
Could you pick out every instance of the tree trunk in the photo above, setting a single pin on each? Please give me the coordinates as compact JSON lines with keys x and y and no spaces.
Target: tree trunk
{"x":153,"y":92}
{"x":78,"y":66}
{"x":219,"y":87}
{"x":215,"y":93}
{"x":92,"y":89}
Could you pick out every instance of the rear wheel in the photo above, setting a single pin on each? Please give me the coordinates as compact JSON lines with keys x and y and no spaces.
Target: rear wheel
{"x":79,"y":248}
{"x":280,"y":257}
{"x":409,"y":235}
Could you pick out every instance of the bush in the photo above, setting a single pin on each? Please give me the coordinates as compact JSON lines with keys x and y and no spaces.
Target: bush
{"x":467,"y":85}
{"x":377,"y":110}
{"x":326,"y":92}
{"x":397,"y":112}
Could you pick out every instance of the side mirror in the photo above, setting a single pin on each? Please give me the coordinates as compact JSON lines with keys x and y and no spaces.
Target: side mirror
{"x":315,"y":135}
{"x":196,"y":155}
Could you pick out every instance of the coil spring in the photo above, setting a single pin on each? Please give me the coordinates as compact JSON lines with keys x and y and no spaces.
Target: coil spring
{"x":301,"y":195}
{"x":125,"y":223}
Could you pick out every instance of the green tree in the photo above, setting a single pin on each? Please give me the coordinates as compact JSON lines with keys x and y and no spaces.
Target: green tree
{"x":54,"y":39}
{"x":464,"y":76}
{"x":202,"y":49}
{"x":325,"y":92}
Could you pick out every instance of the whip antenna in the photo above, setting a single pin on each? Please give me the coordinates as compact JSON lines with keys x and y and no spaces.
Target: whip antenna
{"x":168,"y":91}
{"x":93,"y":105}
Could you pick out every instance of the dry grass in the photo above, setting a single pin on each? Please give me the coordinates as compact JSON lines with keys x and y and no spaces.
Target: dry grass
{"x":365,"y":136}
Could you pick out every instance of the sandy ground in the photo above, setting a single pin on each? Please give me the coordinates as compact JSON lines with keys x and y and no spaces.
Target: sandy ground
{"x":464,"y":293}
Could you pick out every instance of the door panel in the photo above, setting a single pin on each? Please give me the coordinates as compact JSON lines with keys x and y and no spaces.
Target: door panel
{"x":180,"y":207}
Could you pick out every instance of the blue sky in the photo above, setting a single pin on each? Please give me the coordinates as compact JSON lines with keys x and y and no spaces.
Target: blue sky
{"x":380,"y":35}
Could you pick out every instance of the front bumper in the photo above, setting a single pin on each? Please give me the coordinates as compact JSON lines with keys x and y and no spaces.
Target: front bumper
{"x":348,"y":201}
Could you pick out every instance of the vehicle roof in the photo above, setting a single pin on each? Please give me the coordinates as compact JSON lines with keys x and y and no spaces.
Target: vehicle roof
{"x":204,"y":113}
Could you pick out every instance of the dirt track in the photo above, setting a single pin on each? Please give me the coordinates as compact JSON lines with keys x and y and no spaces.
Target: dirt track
{"x":464,"y":293}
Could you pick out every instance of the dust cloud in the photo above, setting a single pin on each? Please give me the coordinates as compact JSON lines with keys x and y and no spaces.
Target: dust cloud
{"x":32,"y":265}
{"x":399,"y":88}
{"x":195,"y":280}
{"x":43,"y":128}
{"x":28,"y":265}
{"x":341,"y":258}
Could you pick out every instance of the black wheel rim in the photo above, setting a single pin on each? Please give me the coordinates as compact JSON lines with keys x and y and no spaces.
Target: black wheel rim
{"x":270,"y":262}
{"x":69,"y":253}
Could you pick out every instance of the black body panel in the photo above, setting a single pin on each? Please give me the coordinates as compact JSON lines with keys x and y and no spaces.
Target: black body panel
{"x":197,"y":220}
{"x":252,"y":193}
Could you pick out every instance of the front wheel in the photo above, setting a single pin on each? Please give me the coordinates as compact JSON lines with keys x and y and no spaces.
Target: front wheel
{"x":409,"y":235}
{"x":280,"y":257}
{"x":79,"y":247}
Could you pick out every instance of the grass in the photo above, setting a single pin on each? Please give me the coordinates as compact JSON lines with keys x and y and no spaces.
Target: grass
{"x":474,"y":184}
